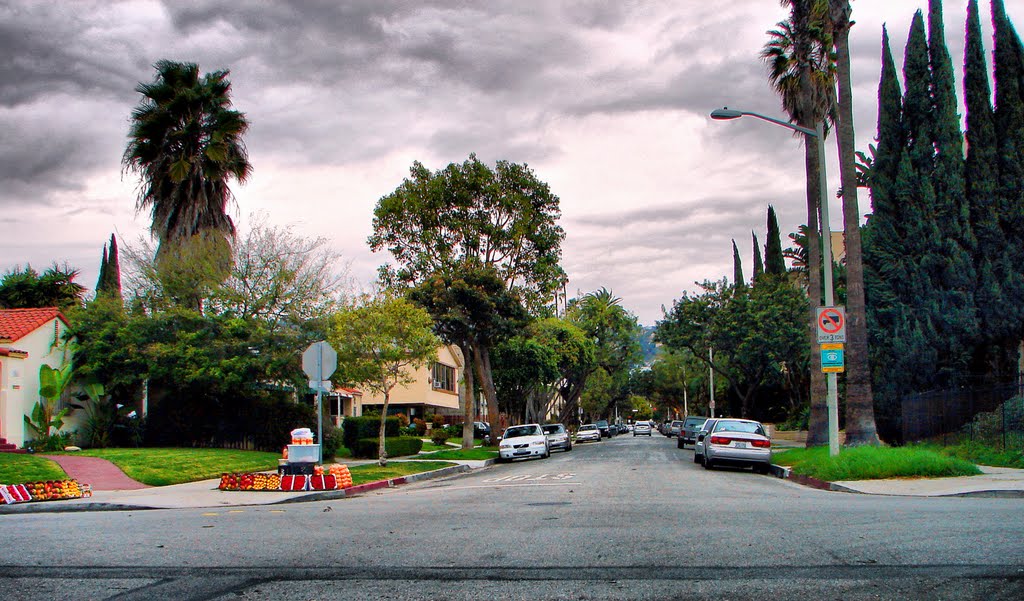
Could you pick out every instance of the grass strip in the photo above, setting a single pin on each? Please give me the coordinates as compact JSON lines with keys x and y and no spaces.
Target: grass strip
{"x":464,"y":454}
{"x":19,"y":468}
{"x":361,"y":474}
{"x":874,"y":463}
{"x":165,"y":466}
{"x":982,"y":454}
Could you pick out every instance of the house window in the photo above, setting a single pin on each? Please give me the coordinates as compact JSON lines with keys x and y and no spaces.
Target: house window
{"x":443,"y":377}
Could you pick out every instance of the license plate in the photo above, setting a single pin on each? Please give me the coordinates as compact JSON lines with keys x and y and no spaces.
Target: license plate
{"x":741,"y":445}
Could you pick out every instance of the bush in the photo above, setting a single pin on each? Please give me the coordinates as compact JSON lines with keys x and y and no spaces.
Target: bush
{"x":367,"y":426}
{"x":53,"y":442}
{"x":439,"y":436}
{"x":438,"y":420}
{"x":453,"y":430}
{"x":420,"y":425}
{"x":403,"y":420}
{"x":396,"y":446}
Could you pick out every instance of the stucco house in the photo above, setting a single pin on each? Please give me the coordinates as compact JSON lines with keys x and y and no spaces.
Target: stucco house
{"x":29,"y":338}
{"x":435,"y":390}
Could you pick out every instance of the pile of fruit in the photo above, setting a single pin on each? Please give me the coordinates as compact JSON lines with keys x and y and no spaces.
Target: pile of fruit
{"x":250,"y":481}
{"x":341,"y":472}
{"x":53,"y":490}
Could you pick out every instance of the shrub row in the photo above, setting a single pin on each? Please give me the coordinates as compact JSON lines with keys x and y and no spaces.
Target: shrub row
{"x":397,"y":446}
{"x":356,"y":428}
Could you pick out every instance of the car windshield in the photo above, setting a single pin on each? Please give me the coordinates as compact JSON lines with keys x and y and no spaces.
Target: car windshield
{"x":729,"y":425}
{"x":602,"y":424}
{"x":588,"y":427}
{"x":522,"y":431}
{"x":695,"y":421}
{"x":552,"y":429}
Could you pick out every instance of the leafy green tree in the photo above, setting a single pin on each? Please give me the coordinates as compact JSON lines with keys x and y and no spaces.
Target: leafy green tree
{"x":753,"y":334}
{"x":46,"y":417}
{"x":758,"y":261}
{"x":380,"y":344}
{"x":28,"y":289}
{"x":109,"y":281}
{"x":473,"y":310}
{"x":615,"y":332}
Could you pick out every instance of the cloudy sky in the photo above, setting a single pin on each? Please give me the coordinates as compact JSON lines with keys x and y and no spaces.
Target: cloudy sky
{"x":607,"y":101}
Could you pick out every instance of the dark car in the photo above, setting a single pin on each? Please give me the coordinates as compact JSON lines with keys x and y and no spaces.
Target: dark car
{"x":482,"y":430}
{"x":606,"y":430}
{"x":698,"y":446}
{"x":688,"y":434}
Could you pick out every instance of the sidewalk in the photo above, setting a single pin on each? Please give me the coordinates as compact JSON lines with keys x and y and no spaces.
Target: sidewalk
{"x":1001,"y":482}
{"x":205,"y":494}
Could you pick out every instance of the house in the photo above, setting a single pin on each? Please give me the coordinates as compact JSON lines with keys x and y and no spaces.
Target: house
{"x":29,"y":338}
{"x":435,"y":390}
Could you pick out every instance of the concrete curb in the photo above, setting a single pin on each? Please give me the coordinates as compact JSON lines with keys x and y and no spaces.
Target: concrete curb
{"x":786,"y":473}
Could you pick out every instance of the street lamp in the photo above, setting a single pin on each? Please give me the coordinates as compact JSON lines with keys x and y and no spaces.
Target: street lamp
{"x":831,"y":398}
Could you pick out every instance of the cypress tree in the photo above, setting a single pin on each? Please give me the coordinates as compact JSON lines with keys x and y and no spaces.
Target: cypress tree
{"x":981,"y":177}
{"x":1009,"y":125}
{"x":101,"y":281}
{"x":113,"y":272}
{"x":758,"y":262}
{"x":737,"y":266}
{"x":774,"y":262}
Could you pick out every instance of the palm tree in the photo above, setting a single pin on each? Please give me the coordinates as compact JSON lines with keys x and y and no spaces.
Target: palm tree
{"x":798,"y":55}
{"x":186,"y":145}
{"x":860,"y":411}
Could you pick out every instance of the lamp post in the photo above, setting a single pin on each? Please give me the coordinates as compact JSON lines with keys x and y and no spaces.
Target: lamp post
{"x":831,"y":398}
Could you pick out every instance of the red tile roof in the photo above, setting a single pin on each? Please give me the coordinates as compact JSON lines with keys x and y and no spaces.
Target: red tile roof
{"x":16,"y":323}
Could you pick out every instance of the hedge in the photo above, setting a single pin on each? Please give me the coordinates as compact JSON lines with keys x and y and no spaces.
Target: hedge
{"x":395,"y":446}
{"x":356,"y":428}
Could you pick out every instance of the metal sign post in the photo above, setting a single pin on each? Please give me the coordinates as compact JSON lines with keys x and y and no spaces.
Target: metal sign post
{"x":318,"y":363}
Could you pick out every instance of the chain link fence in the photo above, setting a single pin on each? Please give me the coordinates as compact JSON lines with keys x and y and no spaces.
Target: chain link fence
{"x":992,"y":415}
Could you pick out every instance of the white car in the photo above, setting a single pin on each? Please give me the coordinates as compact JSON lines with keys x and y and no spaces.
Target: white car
{"x":558,"y":437}
{"x":642,"y":429}
{"x":588,"y":432}
{"x":523,"y":441}
{"x":738,"y":442}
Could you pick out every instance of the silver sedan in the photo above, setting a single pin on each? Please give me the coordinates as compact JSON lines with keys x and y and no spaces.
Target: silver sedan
{"x":739,"y":442}
{"x":588,"y":432}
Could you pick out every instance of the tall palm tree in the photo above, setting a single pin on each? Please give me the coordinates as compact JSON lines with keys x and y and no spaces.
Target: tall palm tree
{"x":185,"y":143}
{"x":798,"y":55}
{"x":860,"y":410}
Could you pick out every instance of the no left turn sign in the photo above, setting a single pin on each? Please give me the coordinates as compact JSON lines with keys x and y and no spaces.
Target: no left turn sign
{"x":831,"y":324}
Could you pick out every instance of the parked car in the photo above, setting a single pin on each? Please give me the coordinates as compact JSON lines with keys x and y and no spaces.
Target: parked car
{"x":588,"y":432}
{"x":642,"y":429}
{"x":698,"y":445}
{"x":691,"y":425}
{"x":558,"y":437}
{"x":675,"y":427}
{"x":523,"y":441}
{"x":482,"y":430}
{"x":605,"y":428}
{"x":739,"y":442}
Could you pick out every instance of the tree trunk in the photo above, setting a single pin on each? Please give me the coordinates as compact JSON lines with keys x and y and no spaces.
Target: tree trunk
{"x":860,"y":410}
{"x":382,"y":453}
{"x":468,"y":399}
{"x":482,"y":358}
{"x":817,"y":423}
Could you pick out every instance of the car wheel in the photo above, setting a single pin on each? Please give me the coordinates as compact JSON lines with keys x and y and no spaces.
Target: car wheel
{"x":708,"y":464}
{"x":762,"y":469}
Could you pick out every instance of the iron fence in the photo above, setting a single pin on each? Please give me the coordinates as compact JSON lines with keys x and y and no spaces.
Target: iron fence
{"x":993,"y":415}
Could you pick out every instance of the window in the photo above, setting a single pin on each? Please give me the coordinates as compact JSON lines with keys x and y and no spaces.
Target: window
{"x":443,"y":377}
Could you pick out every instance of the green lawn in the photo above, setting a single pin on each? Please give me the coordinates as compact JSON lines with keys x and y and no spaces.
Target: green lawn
{"x":872,"y":463}
{"x":19,"y":468}
{"x":160,"y":467}
{"x":450,"y":453}
{"x":983,"y":454}
{"x":361,"y":474}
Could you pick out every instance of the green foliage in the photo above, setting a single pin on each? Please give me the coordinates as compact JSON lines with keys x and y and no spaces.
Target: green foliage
{"x":49,"y":443}
{"x":397,"y":446}
{"x":459,"y":454}
{"x":109,"y":281}
{"x":27,"y":289}
{"x":45,"y":417}
{"x":737,"y":266}
{"x":872,"y":463}
{"x":753,"y":333}
{"x":775,"y":262}
{"x":355,"y":428}
{"x":439,"y":436}
{"x":470,"y":214}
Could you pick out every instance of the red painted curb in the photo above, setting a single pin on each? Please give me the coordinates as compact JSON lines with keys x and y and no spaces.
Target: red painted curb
{"x":808,"y":481}
{"x":374,"y":485}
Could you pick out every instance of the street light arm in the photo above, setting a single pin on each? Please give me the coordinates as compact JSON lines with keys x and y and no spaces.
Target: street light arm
{"x":727,"y":113}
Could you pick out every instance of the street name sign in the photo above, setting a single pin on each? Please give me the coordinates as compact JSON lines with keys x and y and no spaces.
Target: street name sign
{"x":831,"y":324}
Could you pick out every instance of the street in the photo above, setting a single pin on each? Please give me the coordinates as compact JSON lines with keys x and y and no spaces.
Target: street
{"x":626,"y":518}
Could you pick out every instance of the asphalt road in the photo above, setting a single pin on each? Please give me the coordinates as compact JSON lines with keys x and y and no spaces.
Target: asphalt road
{"x":627,"y":518}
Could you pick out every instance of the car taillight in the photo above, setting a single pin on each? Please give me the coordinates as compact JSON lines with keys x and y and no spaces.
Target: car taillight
{"x":761,"y":444}
{"x":722,"y":440}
